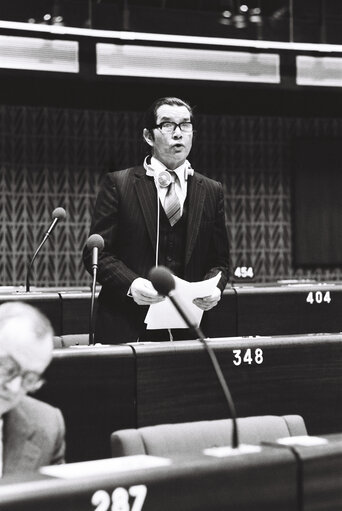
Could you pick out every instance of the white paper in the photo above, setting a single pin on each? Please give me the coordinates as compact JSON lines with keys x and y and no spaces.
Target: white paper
{"x":100,"y":467}
{"x":165,"y":315}
{"x":222,"y":452}
{"x":304,"y":440}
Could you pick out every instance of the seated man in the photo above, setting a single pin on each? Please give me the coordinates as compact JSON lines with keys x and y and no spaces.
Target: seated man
{"x":32,"y":431}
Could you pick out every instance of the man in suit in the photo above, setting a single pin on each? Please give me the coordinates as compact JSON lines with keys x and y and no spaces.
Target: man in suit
{"x":161,"y":212}
{"x":32,"y":431}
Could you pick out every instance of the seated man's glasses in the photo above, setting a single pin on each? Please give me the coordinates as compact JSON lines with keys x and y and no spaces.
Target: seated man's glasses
{"x":169,"y":126}
{"x":10,"y":370}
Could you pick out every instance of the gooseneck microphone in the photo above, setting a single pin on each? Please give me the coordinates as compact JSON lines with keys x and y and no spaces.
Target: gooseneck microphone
{"x":164,"y":282}
{"x":95,"y":243}
{"x":57,"y":214}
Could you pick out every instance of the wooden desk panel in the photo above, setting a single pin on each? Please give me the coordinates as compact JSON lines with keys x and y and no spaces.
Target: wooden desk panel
{"x":221,"y":321}
{"x":68,"y":309}
{"x":243,"y":310}
{"x":76,"y":311}
{"x":299,"y":375}
{"x":322,"y":474}
{"x":95,"y":389}
{"x":286,"y":310}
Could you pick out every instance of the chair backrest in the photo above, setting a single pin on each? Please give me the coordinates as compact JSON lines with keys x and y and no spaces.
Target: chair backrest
{"x":57,"y":342}
{"x":192,"y":437}
{"x":75,"y":340}
{"x":65,"y":341}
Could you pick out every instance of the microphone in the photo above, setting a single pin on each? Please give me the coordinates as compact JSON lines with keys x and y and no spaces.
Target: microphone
{"x":57,"y":214}
{"x":164,"y":282}
{"x":95,"y":243}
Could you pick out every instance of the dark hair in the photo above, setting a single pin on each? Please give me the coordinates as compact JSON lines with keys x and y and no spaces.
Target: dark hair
{"x":151,"y":114}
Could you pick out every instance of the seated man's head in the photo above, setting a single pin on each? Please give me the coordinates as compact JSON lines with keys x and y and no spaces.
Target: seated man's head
{"x":26,"y":343}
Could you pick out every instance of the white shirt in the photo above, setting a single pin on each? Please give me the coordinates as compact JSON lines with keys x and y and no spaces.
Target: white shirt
{"x":1,"y":447}
{"x":181,"y":184}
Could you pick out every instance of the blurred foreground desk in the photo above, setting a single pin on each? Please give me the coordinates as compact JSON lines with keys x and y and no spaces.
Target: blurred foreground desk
{"x":282,"y":478}
{"x":319,"y":471}
{"x":254,"y":482}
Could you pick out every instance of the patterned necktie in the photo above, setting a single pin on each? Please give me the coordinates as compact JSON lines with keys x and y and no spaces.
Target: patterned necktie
{"x":172,"y":205}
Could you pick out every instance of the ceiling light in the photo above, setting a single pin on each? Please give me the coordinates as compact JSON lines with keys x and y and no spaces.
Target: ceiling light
{"x":225,"y":18}
{"x":255,"y":15}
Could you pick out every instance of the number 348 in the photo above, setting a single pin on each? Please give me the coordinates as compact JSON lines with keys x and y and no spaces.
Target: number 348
{"x":248,"y":356}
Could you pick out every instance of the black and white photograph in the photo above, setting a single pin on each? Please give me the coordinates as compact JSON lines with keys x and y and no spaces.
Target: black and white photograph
{"x":171,"y":255}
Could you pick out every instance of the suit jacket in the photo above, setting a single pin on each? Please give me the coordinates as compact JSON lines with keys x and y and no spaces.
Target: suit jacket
{"x":125,"y":216}
{"x":33,"y":436}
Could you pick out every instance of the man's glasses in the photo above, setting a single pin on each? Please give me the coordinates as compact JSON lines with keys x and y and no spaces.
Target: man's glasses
{"x":10,"y":369}
{"x":169,"y":126}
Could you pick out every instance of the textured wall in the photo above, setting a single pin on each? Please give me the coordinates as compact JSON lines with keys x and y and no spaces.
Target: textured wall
{"x":55,"y":157}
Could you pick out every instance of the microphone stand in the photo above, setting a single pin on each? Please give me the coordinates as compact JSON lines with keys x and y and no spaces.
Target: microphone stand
{"x":95,"y":243}
{"x":92,"y":317}
{"x":47,"y":234}
{"x":217,"y":368}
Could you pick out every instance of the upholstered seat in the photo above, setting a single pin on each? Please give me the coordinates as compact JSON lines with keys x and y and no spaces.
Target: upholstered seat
{"x":65,"y":341}
{"x":191,"y":437}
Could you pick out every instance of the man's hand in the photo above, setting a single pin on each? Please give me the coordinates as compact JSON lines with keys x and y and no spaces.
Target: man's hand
{"x":143,"y":292}
{"x":208,"y":302}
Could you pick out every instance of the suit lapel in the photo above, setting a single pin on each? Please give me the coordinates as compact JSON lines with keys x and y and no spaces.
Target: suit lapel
{"x":20,"y":450}
{"x":196,"y":195}
{"x":147,"y":196}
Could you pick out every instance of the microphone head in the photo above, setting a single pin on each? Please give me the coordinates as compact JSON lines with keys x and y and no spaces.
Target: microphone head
{"x":59,"y":213}
{"x":162,"y":280}
{"x":95,"y":241}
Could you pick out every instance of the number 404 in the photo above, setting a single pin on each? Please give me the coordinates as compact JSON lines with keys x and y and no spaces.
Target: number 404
{"x":318,"y":297}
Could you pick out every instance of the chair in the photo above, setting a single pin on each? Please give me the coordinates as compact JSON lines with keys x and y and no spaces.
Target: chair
{"x":57,"y":342}
{"x":75,"y":340}
{"x":192,"y":437}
